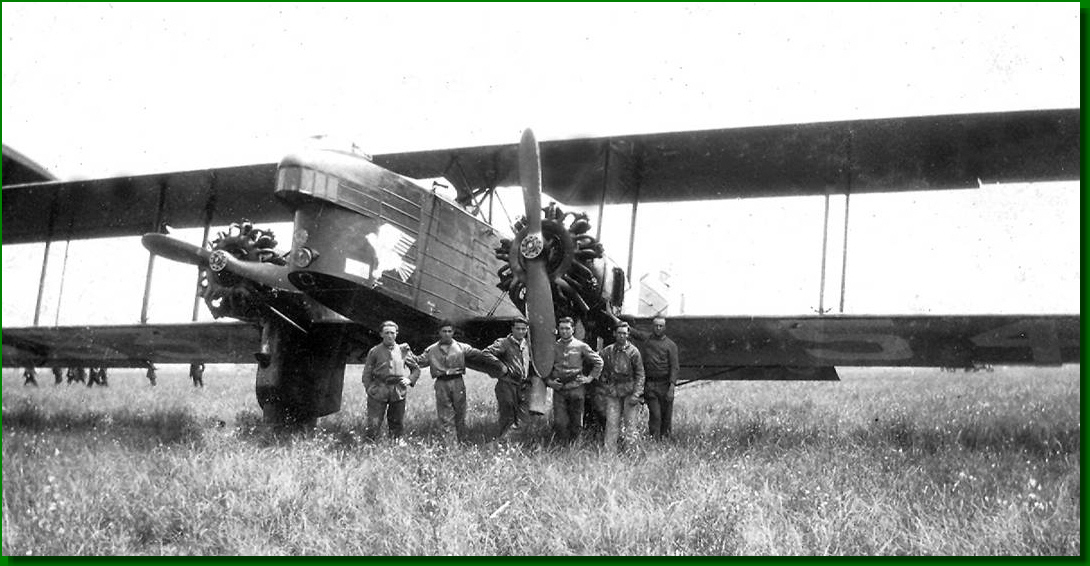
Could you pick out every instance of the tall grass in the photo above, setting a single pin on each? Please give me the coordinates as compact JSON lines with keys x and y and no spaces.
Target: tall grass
{"x":885,"y":462}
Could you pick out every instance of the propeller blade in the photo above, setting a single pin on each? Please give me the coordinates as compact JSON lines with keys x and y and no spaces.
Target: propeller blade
{"x":265,"y":273}
{"x":539,"y":295}
{"x":175,"y":249}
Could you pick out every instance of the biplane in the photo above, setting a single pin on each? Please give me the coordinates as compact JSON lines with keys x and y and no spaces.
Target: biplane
{"x":369,"y":243}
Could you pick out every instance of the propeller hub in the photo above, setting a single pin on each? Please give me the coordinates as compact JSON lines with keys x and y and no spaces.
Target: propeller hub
{"x":531,"y":246}
{"x":217,"y":261}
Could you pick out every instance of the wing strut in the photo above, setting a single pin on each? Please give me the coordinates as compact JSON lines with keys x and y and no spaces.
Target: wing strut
{"x":151,"y":256}
{"x":45,"y":259}
{"x":824,"y":255}
{"x":209,"y":210}
{"x":844,"y":257}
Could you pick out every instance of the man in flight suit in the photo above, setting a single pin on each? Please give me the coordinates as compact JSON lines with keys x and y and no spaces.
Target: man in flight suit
{"x":621,"y":388}
{"x":387,"y":373}
{"x":513,"y":384}
{"x":567,"y":380}
{"x":446,"y":360}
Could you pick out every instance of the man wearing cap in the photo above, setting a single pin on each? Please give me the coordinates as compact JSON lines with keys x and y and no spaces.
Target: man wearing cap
{"x":661,"y":364}
{"x":388,"y":371}
{"x":513,"y":383}
{"x":621,"y":388}
{"x":447,"y":360}
{"x":567,"y":380}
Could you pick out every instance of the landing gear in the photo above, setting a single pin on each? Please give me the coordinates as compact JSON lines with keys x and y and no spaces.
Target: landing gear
{"x":300,"y":376}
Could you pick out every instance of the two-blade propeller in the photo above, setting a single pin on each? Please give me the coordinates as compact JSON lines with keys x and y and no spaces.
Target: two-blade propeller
{"x":269,"y":274}
{"x":539,"y":295}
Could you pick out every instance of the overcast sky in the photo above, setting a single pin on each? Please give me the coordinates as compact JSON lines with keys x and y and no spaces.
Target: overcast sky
{"x":100,"y":90}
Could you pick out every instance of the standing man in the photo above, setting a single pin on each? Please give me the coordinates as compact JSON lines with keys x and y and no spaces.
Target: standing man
{"x":446,"y":360}
{"x":567,"y":380}
{"x":30,"y":376}
{"x":388,"y":372}
{"x":621,"y":388}
{"x":58,"y":375}
{"x":196,"y":372}
{"x":151,"y":373}
{"x":661,"y":363}
{"x":513,"y":384}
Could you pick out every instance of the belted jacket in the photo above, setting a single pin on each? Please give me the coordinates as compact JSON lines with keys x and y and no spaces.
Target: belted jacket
{"x":622,"y":374}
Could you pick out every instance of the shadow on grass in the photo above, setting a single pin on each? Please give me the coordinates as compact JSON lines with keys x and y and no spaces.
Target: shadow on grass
{"x":169,"y":426}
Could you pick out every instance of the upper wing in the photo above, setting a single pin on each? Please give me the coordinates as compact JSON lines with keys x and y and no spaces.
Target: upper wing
{"x":709,"y":346}
{"x":896,"y":154}
{"x":127,"y":206}
{"x":931,"y":152}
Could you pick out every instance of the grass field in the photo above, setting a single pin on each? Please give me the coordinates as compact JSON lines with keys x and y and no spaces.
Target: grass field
{"x":884,"y":462}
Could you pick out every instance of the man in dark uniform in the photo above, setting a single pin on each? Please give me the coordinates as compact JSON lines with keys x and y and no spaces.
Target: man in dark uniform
{"x":661,"y":366}
{"x":513,"y":384}
{"x":151,"y":373}
{"x":30,"y":376}
{"x":58,"y":375}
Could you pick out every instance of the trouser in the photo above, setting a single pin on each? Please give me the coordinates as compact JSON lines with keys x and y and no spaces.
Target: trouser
{"x":513,"y":403}
{"x":618,"y":409}
{"x":660,"y":408}
{"x":450,"y":404}
{"x":568,"y":412}
{"x":594,"y":411}
{"x":394,"y":411}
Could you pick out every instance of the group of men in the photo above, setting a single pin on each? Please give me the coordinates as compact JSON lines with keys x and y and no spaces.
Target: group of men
{"x":615,"y":381}
{"x":99,"y":376}
{"x":73,"y":374}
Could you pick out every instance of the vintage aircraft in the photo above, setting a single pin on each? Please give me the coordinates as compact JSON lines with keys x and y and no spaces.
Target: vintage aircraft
{"x":369,"y":244}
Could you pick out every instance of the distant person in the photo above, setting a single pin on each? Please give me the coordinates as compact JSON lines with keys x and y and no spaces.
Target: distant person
{"x":92,"y":376}
{"x":151,"y":374}
{"x":567,"y":380}
{"x":621,"y":388}
{"x":447,"y":359}
{"x":660,"y":362}
{"x":389,"y":370}
{"x":102,"y":377}
{"x":513,"y":383}
{"x":77,"y":375}
{"x":30,"y":376}
{"x":58,"y":375}
{"x":196,"y":372}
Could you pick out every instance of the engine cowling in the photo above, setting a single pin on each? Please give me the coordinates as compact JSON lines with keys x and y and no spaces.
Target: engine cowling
{"x":228,"y":294}
{"x":580,"y":278}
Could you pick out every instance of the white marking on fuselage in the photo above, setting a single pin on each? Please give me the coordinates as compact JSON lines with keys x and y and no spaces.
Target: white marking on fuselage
{"x":391,"y":245}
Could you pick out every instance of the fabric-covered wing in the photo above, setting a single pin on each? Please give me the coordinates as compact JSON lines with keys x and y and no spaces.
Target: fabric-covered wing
{"x":710,"y":347}
{"x":127,"y":206}
{"x":131,"y":345}
{"x":896,"y":154}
